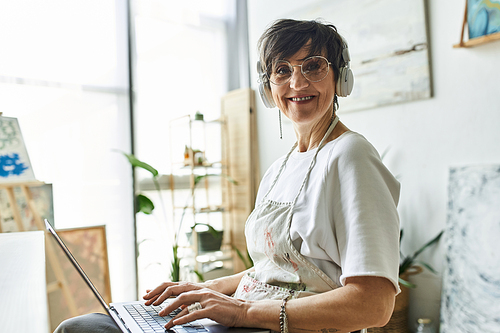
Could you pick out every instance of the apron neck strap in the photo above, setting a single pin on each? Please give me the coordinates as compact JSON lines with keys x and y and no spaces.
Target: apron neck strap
{"x":313,"y":161}
{"x":321,"y":144}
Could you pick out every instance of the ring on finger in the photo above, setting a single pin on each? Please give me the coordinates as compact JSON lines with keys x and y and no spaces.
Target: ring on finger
{"x":194,"y":307}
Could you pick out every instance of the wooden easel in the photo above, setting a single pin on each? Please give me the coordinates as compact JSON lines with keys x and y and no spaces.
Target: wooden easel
{"x":60,"y":282}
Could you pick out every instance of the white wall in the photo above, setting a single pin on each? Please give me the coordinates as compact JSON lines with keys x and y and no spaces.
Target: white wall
{"x":458,"y":126}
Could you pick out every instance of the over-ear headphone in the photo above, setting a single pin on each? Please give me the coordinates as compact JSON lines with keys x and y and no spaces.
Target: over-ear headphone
{"x":345,"y":81}
{"x":344,"y":85}
{"x":265,"y":88}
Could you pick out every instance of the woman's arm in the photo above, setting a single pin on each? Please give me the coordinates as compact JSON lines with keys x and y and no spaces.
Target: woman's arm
{"x":364,"y":301}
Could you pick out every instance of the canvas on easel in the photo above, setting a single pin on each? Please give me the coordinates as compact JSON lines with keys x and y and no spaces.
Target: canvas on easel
{"x":42,"y":197}
{"x":15,"y":165}
{"x":16,"y":175}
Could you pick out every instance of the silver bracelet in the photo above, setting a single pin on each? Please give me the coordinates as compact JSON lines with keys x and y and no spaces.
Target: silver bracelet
{"x":283,"y":318}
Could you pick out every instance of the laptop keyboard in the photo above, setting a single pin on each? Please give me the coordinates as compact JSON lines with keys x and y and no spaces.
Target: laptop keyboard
{"x":150,"y":321}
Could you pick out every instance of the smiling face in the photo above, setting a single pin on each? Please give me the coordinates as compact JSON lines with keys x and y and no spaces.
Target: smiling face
{"x":301,"y":101}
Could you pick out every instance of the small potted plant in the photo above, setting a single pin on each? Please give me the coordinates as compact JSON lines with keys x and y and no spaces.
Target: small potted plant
{"x":410,"y":265}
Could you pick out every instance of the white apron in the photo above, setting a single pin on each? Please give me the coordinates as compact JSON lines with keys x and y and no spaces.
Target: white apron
{"x":280,"y":270}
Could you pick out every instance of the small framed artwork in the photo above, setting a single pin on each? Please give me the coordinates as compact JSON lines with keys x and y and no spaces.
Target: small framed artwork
{"x":15,"y":165}
{"x":89,"y":247}
{"x":482,"y":18}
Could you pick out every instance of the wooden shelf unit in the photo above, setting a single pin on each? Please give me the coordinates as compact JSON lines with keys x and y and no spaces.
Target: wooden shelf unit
{"x":195,"y":163}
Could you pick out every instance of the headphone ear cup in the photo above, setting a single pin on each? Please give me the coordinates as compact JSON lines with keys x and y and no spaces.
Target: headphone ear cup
{"x":264,"y":89}
{"x":345,"y":82}
{"x":266,"y":96}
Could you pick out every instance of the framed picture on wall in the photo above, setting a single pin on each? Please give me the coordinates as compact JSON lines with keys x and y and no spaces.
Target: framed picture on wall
{"x":482,"y":18}
{"x":388,"y":46}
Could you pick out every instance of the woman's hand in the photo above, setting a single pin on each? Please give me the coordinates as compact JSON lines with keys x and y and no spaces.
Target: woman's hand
{"x":168,"y":289}
{"x":213,"y":293}
{"x":226,"y":285}
{"x":221,"y":308}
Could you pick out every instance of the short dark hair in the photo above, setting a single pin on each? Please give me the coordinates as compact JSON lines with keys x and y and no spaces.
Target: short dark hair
{"x":285,"y":37}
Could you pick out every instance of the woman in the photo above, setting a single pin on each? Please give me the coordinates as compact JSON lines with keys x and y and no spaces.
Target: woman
{"x":329,"y":232}
{"x":324,"y":233}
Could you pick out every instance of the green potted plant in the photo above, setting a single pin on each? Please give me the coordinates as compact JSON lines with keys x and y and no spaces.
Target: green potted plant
{"x":410,"y":262}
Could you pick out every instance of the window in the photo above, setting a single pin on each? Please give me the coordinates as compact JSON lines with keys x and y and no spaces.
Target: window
{"x":181,"y":67}
{"x":64,"y":75}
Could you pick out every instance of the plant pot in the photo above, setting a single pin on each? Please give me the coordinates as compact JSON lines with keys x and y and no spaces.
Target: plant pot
{"x":399,"y":319}
{"x":207,"y":242}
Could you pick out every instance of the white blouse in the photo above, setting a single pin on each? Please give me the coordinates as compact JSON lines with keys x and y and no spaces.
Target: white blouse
{"x":345,"y":220}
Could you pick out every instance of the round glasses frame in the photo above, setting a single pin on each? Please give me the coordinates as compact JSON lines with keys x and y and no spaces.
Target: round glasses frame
{"x":301,"y":70}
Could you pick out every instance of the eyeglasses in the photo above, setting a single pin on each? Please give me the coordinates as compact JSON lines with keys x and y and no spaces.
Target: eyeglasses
{"x":314,"y":69}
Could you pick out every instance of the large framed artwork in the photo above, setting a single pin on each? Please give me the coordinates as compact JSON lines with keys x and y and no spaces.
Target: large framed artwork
{"x":388,"y":45}
{"x":471,"y":282}
{"x":15,"y":165}
{"x":89,"y":247}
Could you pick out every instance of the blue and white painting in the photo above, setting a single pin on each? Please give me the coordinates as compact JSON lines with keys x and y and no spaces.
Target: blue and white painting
{"x":15,"y":165}
{"x":483,"y":17}
{"x":471,"y":283}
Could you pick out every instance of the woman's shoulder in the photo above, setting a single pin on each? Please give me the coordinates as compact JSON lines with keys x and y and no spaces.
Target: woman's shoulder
{"x":351,"y":145}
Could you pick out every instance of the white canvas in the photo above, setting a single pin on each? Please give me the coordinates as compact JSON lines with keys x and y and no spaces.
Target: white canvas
{"x":15,"y":165}
{"x":22,"y":282}
{"x":471,"y":283}
{"x":388,"y":46}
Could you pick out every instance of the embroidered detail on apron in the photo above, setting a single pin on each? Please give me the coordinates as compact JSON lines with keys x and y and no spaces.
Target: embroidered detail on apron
{"x":280,"y":270}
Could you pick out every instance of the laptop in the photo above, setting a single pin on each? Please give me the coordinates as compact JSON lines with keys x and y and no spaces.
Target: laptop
{"x":135,"y":316}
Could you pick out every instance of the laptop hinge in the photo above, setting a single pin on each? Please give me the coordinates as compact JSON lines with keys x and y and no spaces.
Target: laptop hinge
{"x":112,"y":308}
